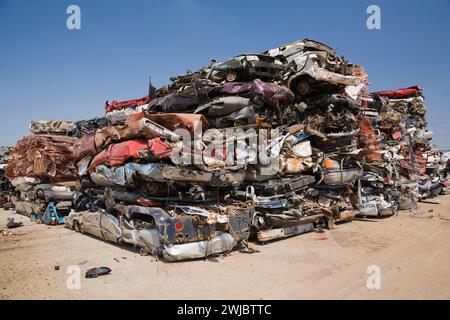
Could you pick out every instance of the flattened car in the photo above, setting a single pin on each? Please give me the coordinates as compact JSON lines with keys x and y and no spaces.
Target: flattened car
{"x":246,"y":67}
{"x":313,"y":66}
{"x":175,"y":233}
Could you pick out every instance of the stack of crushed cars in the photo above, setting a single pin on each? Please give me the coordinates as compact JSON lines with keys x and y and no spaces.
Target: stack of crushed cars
{"x":5,"y":185}
{"x":404,"y":164}
{"x":42,"y":171}
{"x":258,"y":147}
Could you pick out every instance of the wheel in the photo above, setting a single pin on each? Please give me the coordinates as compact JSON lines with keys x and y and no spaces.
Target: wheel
{"x":144,"y":251}
{"x":231,"y":76}
{"x":76,"y":226}
{"x":303,"y":87}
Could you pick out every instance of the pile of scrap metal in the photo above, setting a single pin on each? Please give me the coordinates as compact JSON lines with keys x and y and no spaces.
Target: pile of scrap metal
{"x":179,"y":173}
{"x":42,"y":172}
{"x":67,"y":128}
{"x":41,"y":169}
{"x":133,"y":191}
{"x":403,"y":166}
{"x":258,"y":147}
{"x":5,"y":184}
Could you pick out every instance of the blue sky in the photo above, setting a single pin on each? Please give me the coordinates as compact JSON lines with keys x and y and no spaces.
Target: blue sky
{"x":50,"y":72}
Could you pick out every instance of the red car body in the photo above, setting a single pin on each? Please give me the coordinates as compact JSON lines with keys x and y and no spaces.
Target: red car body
{"x":413,"y":91}
{"x":118,"y":153}
{"x":119,"y":105}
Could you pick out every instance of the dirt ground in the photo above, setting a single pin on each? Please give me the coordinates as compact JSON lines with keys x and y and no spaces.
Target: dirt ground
{"x":412,"y":252}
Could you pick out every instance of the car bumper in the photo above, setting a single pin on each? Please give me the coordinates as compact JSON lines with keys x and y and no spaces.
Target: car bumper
{"x":200,"y":249}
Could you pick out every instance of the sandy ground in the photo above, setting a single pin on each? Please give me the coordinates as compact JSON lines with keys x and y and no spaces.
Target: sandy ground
{"x":412,"y":252}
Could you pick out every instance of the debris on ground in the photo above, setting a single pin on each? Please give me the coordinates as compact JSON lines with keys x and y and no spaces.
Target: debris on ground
{"x":13,"y":224}
{"x":6,"y":233}
{"x":97,"y":272}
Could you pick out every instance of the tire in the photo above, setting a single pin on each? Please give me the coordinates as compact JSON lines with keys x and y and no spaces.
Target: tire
{"x":77,"y":226}
{"x":144,"y":251}
{"x":231,"y":76}
{"x":303,"y":87}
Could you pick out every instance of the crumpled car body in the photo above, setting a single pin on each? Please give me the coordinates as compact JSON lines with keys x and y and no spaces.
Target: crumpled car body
{"x":376,"y":198}
{"x":5,"y":190}
{"x":412,"y":91}
{"x":246,"y":67}
{"x":174,"y":236}
{"x":184,"y":98}
{"x":119,"y":117}
{"x":339,"y":172}
{"x":273,"y":95}
{"x":5,"y":153}
{"x":282,"y":185}
{"x":138,"y":125}
{"x":43,"y":156}
{"x":280,"y":208}
{"x":50,"y":127}
{"x":376,"y":206}
{"x":434,"y":159}
{"x":83,"y":127}
{"x":53,"y":193}
{"x":117,"y":154}
{"x":224,"y":106}
{"x":430,"y":186}
{"x":274,"y":219}
{"x":341,"y":176}
{"x":314,"y":66}
{"x":128,"y":174}
{"x":27,"y":207}
{"x":134,"y":103}
{"x":194,"y":123}
{"x":33,"y":198}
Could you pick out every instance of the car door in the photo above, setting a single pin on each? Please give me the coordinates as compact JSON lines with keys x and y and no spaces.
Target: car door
{"x":110,"y":226}
{"x":90,"y":223}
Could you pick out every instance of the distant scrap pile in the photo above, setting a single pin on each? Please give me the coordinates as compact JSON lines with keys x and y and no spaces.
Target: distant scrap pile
{"x":5,"y":185}
{"x":258,"y":147}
